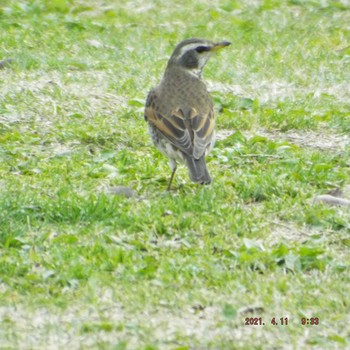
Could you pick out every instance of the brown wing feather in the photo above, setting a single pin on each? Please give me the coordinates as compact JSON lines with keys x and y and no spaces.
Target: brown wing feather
{"x":203,"y":128}
{"x":190,"y":132}
{"x":173,"y":127}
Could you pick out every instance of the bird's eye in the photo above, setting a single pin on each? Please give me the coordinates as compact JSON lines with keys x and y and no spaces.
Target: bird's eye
{"x":201,"y":49}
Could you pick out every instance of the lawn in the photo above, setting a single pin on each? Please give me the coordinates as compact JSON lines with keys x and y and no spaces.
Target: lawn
{"x":83,"y":266}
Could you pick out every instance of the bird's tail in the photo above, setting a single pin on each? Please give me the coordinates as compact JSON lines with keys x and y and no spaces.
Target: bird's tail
{"x":198,"y":170}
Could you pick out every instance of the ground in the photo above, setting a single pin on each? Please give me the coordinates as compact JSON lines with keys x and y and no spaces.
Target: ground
{"x":96,"y":254}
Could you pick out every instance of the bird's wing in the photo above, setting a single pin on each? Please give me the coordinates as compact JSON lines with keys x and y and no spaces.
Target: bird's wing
{"x":188,"y":131}
{"x":203,"y":128}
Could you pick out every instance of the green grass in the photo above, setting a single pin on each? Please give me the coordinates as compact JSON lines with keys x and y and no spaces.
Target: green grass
{"x":81,"y":268}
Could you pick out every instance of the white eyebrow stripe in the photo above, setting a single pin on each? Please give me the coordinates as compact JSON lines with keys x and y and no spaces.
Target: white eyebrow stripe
{"x":191,"y":47}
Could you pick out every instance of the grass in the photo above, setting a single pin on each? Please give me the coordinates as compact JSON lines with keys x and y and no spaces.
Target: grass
{"x":82,"y":268}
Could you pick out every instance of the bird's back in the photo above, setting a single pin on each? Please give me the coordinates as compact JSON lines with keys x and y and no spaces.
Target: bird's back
{"x":180,"y":89}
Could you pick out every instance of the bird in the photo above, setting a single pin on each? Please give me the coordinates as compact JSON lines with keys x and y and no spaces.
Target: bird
{"x":179,"y":111}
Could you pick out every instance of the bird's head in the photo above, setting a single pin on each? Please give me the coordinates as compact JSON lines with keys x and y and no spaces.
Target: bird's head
{"x":193,"y":54}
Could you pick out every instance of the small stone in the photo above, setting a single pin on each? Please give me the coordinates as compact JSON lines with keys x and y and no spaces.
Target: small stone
{"x":121,"y":191}
{"x":5,"y":63}
{"x":331,"y":200}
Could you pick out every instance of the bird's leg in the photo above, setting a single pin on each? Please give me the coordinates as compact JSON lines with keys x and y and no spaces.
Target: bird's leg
{"x":173,"y":167}
{"x":171,"y":178}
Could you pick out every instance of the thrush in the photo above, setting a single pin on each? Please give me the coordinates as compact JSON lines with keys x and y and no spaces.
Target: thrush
{"x":180,"y":112}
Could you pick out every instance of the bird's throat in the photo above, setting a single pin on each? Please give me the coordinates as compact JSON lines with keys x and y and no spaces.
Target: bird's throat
{"x":196,"y":72}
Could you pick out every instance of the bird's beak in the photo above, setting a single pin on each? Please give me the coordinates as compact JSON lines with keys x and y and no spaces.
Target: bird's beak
{"x":218,"y":46}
